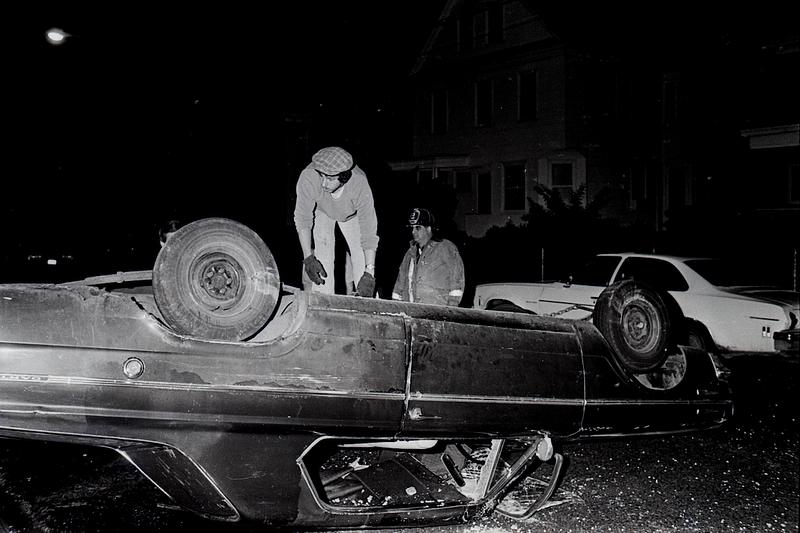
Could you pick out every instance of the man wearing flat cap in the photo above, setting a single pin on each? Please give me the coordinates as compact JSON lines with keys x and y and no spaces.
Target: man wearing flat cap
{"x":432,"y":271}
{"x":332,"y":190}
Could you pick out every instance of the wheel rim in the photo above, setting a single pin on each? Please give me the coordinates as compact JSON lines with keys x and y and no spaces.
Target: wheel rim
{"x":639,"y":324}
{"x":216,"y":281}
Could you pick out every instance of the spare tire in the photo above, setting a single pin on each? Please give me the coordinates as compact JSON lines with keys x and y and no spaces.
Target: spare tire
{"x":639,"y":322}
{"x":216,"y":279}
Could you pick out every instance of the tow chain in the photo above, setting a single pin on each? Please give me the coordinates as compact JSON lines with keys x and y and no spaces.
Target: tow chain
{"x":572,"y":308}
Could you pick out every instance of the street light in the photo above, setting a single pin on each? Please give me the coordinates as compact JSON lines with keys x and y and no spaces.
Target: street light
{"x":56,"y":36}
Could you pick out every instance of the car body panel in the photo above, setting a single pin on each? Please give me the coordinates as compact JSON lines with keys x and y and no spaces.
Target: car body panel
{"x":525,"y":295}
{"x":229,"y":430}
{"x":490,"y":381}
{"x":738,"y":319}
{"x":755,"y":321}
{"x":565,"y":300}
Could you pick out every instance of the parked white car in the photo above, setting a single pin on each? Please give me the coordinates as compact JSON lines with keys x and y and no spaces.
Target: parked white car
{"x":721,"y":314}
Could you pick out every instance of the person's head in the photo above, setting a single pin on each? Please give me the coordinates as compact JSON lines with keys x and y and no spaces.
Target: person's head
{"x":167,"y":229}
{"x":422,"y":224}
{"x":334,"y":166}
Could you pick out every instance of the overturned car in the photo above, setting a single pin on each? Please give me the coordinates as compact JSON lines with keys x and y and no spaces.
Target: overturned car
{"x":246,"y":400}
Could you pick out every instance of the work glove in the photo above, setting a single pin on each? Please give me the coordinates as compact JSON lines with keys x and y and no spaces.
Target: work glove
{"x":366,"y":285}
{"x":315,"y":270}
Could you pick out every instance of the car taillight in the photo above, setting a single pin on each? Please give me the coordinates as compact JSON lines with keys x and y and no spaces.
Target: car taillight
{"x":792,"y":320}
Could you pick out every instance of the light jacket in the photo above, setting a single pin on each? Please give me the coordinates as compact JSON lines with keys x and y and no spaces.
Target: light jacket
{"x":356,"y":201}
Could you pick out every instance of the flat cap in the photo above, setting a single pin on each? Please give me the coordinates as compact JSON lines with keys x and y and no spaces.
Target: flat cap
{"x":332,"y":160}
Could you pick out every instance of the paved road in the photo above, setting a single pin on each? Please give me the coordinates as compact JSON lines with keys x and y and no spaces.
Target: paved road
{"x":744,"y":477}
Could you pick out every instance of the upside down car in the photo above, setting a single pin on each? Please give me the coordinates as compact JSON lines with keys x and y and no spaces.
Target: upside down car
{"x":244,"y":399}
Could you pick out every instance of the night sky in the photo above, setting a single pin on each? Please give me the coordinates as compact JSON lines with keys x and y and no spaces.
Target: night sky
{"x":147,"y":112}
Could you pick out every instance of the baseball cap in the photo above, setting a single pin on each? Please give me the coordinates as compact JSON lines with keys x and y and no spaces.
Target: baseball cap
{"x":332,"y":160}
{"x":421,"y":217}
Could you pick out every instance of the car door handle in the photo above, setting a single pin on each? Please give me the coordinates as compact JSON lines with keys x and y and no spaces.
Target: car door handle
{"x":415,"y":413}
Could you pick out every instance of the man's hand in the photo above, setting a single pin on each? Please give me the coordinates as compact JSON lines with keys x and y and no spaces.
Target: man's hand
{"x":366,"y":285}
{"x":315,"y":270}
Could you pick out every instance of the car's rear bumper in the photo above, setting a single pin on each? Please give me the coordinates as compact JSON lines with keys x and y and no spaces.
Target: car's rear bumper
{"x":787,"y":342}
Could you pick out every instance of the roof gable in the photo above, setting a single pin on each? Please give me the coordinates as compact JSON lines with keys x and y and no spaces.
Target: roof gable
{"x":476,"y":27}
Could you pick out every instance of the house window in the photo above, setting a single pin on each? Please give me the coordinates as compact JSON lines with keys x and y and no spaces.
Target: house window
{"x":638,"y":183}
{"x":464,"y":181}
{"x":495,"y":23}
{"x":670,"y":102}
{"x":439,"y":111}
{"x":484,"y":193}
{"x":528,"y":96}
{"x":514,"y":187}
{"x":561,"y":179}
{"x":480,"y":28}
{"x":449,"y":37}
{"x":676,"y":191}
{"x":444,"y":177}
{"x":483,"y":103}
{"x":465,"y":34}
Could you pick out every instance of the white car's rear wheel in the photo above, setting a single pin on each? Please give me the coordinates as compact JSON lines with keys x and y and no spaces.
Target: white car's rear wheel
{"x":697,"y":336}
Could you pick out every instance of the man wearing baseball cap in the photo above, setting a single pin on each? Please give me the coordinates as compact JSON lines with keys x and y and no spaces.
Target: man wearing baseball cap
{"x":332,"y":191}
{"x":432,"y":271}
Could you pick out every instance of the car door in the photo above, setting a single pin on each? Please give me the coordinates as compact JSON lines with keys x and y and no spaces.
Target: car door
{"x":575,"y":299}
{"x":478,"y":372}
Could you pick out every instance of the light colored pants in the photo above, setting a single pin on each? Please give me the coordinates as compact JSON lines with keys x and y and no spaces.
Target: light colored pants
{"x":325,"y":250}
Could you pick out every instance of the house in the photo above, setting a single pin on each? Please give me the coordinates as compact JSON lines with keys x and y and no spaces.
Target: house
{"x":502,"y":104}
{"x":771,"y":128}
{"x":506,"y":99}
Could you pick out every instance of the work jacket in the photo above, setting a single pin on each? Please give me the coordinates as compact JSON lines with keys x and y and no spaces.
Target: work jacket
{"x":433,"y":275}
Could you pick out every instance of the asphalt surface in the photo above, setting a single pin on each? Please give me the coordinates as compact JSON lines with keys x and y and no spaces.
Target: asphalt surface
{"x":742,"y":477}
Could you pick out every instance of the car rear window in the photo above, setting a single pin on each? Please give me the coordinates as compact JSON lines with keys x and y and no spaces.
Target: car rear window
{"x":660,"y":274}
{"x":727,"y":273}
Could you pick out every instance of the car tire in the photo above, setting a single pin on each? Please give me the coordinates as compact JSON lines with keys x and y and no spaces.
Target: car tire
{"x":216,"y":279}
{"x":638,"y":322}
{"x":697,"y":336}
